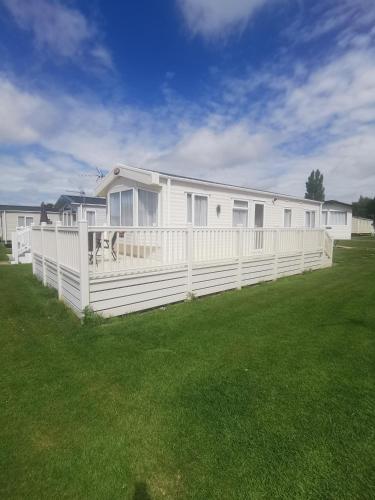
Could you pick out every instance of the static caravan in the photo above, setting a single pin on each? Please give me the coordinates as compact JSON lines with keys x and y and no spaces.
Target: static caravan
{"x":360,"y":225}
{"x":13,"y":216}
{"x":337,"y":219}
{"x":74,"y":208}
{"x":140,"y":197}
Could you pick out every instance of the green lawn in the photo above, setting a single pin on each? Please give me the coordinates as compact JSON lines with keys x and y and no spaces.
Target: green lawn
{"x":262,"y":393}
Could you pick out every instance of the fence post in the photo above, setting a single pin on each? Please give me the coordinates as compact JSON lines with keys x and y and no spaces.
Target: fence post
{"x":58,"y":253}
{"x":44,"y":274}
{"x":240,"y":257}
{"x":31,"y":247}
{"x":276,"y":237}
{"x":84,"y":263}
{"x":303,"y":251}
{"x":189,"y":257}
{"x":15,"y":246}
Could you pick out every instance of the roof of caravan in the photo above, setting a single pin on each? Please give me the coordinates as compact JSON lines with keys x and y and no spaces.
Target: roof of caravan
{"x":23,"y":208}
{"x":338,"y":203}
{"x":213,"y":183}
{"x":84,"y":200}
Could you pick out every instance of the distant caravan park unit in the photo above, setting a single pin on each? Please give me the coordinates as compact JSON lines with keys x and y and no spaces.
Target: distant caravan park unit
{"x":168,"y":238}
{"x":361,"y":225}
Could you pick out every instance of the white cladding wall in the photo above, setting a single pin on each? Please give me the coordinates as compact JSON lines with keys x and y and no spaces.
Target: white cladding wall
{"x":273,"y":210}
{"x":339,"y":232}
{"x":100,"y":214}
{"x":362,"y":226}
{"x":11,"y":221}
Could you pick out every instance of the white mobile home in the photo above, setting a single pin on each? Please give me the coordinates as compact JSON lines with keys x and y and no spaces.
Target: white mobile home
{"x":13,"y":216}
{"x":337,"y":219}
{"x":139,"y":197}
{"x":360,"y":225}
{"x":73,"y":208}
{"x":168,"y":238}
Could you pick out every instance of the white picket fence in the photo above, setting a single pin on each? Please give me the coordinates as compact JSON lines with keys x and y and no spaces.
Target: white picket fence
{"x":76,"y":259}
{"x":21,"y":243}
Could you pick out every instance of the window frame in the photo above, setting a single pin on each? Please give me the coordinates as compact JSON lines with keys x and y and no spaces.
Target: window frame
{"x":241,"y":209}
{"x":93,"y":211}
{"x":193,"y":195}
{"x":310,"y":212}
{"x":262,"y":203}
{"x":135,"y":190}
{"x":340,"y":212}
{"x":288,"y":209}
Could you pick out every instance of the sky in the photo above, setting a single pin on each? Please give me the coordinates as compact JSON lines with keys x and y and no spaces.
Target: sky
{"x":250,"y":92}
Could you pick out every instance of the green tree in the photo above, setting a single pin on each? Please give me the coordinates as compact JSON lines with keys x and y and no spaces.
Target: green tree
{"x":314,"y":186}
{"x":364,"y":207}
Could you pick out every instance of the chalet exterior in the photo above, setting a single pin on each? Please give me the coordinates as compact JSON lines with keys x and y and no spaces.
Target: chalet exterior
{"x":139,"y":197}
{"x":337,"y":219}
{"x":13,"y":216}
{"x":361,"y":225}
{"x":73,"y":208}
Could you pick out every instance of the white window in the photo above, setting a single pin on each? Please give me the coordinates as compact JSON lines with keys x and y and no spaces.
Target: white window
{"x":325,"y":217}
{"x":287,"y":217}
{"x":24,"y":221}
{"x":29,"y":221}
{"x":127,"y":210}
{"x":91,"y":217}
{"x":147,"y":208}
{"x":114,"y":207}
{"x":259,"y":215}
{"x":240,"y":213}
{"x":338,"y":218}
{"x":310,"y":219}
{"x":197,"y":209}
{"x":20,"y":221}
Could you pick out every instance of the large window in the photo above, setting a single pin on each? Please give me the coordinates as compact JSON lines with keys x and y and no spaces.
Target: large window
{"x":240,"y":213}
{"x":337,"y":218}
{"x":123,"y":210}
{"x":287,"y":217}
{"x":310,"y":219}
{"x":114,"y":207}
{"x":197,"y":209}
{"x":147,"y":208}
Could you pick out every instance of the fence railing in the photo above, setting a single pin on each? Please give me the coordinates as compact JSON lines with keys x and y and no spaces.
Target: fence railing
{"x":112,"y":249}
{"x":21,"y":242}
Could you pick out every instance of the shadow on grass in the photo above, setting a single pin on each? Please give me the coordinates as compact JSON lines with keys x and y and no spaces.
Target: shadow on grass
{"x":141,"y":492}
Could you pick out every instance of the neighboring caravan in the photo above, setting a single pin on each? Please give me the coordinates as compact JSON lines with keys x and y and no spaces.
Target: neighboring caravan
{"x":12,"y":216}
{"x":337,"y":219}
{"x":361,"y":225}
{"x":74,"y":208}
{"x":139,"y":197}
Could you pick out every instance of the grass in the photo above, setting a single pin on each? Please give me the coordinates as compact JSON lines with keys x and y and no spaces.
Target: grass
{"x":266,"y":392}
{"x":4,"y":253}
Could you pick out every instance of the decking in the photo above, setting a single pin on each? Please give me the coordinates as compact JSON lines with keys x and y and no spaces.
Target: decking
{"x":118,"y":270}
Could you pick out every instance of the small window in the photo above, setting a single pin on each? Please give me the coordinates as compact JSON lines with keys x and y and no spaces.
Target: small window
{"x":240,"y":213}
{"x":90,"y":216}
{"x":310,"y":219}
{"x":197,"y":209}
{"x":287,"y":217}
{"x":20,"y":221}
{"x":338,"y":218}
{"x":127,"y":211}
{"x":259,"y":215}
{"x":325,"y":217}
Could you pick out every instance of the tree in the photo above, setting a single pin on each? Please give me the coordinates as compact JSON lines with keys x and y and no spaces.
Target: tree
{"x":364,"y":207}
{"x":314,"y":186}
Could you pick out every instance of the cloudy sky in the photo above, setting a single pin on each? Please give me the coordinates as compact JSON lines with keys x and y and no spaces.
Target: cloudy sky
{"x":253,"y":92}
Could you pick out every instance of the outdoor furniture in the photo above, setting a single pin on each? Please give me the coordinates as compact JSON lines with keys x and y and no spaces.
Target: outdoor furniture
{"x":94,"y":248}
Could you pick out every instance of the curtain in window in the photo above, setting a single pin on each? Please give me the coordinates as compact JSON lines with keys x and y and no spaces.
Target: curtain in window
{"x":325,"y":217}
{"x":29,"y":221}
{"x":312,"y":220}
{"x":200,"y":210}
{"x":114,"y":207}
{"x":287,"y":217}
{"x":147,"y":208}
{"x":20,"y":221}
{"x":240,"y":217}
{"x":189,"y":208}
{"x":337,"y":218}
{"x":127,"y":208}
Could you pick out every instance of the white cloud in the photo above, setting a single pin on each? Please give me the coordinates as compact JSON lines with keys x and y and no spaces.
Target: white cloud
{"x":62,"y":30}
{"x":215,"y":18}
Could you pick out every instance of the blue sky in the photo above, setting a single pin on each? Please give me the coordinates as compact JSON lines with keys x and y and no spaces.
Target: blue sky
{"x":251,"y":92}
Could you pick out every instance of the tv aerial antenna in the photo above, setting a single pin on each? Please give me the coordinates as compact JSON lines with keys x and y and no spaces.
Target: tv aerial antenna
{"x":99,"y":174}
